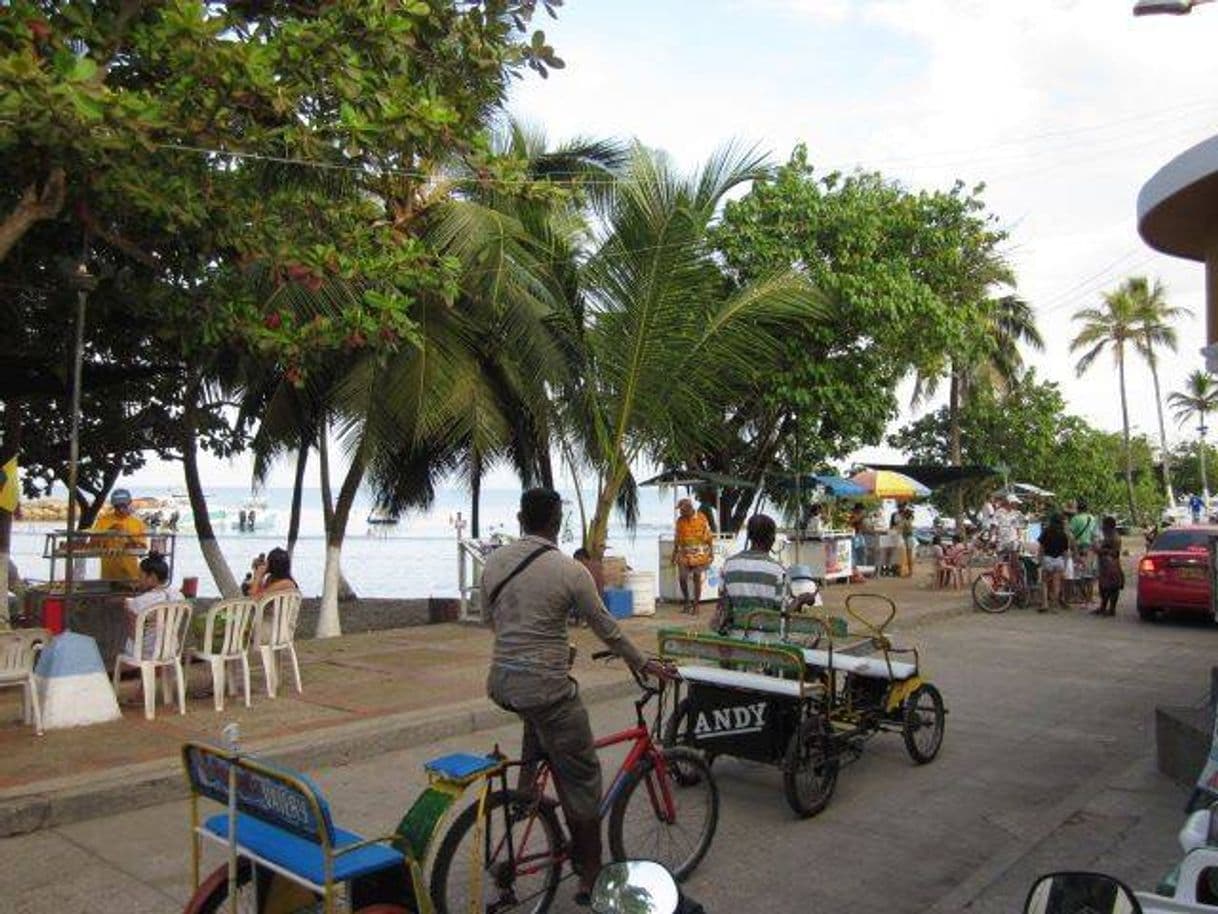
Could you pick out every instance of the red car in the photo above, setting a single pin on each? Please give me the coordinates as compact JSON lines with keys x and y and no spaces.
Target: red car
{"x":1175,"y":572}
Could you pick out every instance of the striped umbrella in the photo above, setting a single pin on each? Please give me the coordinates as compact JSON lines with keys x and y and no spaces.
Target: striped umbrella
{"x":890,"y":484}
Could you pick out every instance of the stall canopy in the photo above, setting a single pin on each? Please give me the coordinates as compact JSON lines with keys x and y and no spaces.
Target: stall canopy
{"x":698,"y":478}
{"x":1023,"y":489}
{"x":934,"y":475}
{"x":890,"y":484}
{"x":837,"y":486}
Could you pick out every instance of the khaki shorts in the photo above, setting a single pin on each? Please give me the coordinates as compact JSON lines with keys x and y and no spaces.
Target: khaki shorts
{"x":561,"y":731}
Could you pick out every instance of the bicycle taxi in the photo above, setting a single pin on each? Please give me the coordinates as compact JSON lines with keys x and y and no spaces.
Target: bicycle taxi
{"x":802,"y":691}
{"x":286,"y":854}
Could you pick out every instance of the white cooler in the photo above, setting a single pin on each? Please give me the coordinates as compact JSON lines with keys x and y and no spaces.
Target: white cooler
{"x":642,"y":585}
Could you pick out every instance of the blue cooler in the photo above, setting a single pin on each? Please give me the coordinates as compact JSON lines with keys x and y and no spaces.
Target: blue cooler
{"x":620,"y":602}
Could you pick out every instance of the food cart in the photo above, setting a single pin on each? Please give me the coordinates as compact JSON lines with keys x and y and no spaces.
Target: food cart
{"x":830,"y":554}
{"x":724,"y":544}
{"x":96,"y":606}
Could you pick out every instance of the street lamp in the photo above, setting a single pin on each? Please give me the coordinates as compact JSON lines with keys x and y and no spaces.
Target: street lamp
{"x":1170,"y":7}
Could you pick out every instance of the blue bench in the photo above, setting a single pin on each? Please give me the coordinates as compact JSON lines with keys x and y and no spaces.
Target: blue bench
{"x":283,"y":823}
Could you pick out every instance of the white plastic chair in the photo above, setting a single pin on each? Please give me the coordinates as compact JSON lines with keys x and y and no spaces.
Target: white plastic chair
{"x":277,"y":616}
{"x":228,"y":644}
{"x":170,"y":623}
{"x":19,"y":651}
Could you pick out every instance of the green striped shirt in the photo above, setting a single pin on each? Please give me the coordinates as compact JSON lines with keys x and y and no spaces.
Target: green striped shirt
{"x":752,"y":580}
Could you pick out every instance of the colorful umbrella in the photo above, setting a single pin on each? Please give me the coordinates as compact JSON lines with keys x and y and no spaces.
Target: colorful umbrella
{"x":890,"y":484}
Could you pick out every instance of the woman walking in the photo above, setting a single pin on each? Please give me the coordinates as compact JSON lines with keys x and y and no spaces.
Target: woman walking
{"x":1110,"y":575}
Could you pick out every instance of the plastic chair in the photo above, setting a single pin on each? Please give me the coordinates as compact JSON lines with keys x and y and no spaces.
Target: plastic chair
{"x":227,"y":631}
{"x":170,"y":623}
{"x":277,"y":616}
{"x":19,"y":651}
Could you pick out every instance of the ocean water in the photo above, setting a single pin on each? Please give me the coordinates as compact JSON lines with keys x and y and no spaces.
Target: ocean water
{"x":416,"y":558}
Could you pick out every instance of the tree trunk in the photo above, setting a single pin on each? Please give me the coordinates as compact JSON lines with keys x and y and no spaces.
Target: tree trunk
{"x":212,"y":554}
{"x":302,"y":460}
{"x":35,"y":205}
{"x":1154,"y":374}
{"x":957,"y":451}
{"x":1205,"y":482}
{"x":1133,"y":507}
{"x":328,"y":623}
{"x":475,"y":495}
{"x":598,"y":531}
{"x":345,"y":590}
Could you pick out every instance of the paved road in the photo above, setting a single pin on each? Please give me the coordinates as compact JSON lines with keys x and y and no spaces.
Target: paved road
{"x":1046,"y":764}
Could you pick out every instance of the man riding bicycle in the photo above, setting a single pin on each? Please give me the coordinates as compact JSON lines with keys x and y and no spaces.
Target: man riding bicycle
{"x":529,"y":588}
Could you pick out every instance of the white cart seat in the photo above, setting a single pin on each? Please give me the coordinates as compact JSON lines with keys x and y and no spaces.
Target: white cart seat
{"x":737,"y":679}
{"x":871,"y":667}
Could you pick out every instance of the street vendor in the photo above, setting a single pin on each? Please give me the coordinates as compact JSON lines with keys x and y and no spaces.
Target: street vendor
{"x":752,"y":579}
{"x":120,"y":563}
{"x":691,"y":552}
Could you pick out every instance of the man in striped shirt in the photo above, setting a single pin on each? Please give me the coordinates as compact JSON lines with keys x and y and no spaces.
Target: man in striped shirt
{"x":751,"y":579}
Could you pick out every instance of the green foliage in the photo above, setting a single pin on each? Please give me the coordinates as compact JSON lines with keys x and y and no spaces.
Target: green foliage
{"x":1027,"y":431}
{"x":903,"y":274}
{"x":206,"y":141}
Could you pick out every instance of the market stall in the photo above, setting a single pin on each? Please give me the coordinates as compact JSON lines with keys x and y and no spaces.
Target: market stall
{"x":96,"y":605}
{"x":722,"y":546}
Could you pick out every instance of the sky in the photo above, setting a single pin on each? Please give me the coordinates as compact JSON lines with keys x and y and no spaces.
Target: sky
{"x":1064,"y":108}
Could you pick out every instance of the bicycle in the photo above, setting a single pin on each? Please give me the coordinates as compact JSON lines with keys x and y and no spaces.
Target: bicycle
{"x":507,"y":852}
{"x":1004,"y":584}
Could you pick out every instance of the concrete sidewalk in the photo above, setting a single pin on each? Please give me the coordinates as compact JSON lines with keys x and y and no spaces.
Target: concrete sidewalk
{"x":363,"y":695}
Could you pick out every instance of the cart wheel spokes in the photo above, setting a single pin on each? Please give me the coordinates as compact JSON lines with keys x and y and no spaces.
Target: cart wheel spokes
{"x":924,"y":723}
{"x":810,"y":768}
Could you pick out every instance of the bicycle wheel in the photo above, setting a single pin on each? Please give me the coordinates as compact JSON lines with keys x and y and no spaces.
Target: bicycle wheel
{"x":677,"y":733}
{"x":270,"y":894}
{"x":639,"y":827}
{"x":924,"y":723}
{"x":809,"y":771}
{"x":523,"y":879}
{"x":991,"y":596}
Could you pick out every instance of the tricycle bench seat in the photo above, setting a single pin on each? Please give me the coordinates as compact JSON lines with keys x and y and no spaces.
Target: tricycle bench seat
{"x":871,"y":667}
{"x":300,"y":857}
{"x":738,"y":679}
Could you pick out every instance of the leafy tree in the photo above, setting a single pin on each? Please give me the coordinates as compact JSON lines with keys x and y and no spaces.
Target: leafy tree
{"x":902,"y":278}
{"x":1115,"y":326}
{"x":1154,"y":331}
{"x":1198,"y":399}
{"x":1027,"y":430}
{"x":664,"y":345}
{"x":264,"y":165}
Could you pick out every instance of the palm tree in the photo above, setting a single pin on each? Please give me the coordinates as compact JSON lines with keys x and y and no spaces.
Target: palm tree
{"x":1154,"y":331}
{"x":664,"y":344}
{"x":1198,"y":399}
{"x":1113,"y":326}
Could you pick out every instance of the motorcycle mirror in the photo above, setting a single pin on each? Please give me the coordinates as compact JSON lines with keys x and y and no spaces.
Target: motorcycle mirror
{"x":635,"y":887}
{"x":1080,"y":893}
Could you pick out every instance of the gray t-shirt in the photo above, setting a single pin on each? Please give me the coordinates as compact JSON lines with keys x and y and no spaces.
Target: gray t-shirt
{"x":529,"y":666}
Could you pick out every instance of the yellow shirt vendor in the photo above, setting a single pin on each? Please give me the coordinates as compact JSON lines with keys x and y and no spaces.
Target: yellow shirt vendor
{"x":120,"y":566}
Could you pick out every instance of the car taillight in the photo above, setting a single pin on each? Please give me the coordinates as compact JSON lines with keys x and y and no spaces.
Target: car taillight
{"x":1150,"y":566}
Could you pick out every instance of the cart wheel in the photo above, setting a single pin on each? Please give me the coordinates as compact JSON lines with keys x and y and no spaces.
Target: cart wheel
{"x":677,"y":733}
{"x":810,"y":768}
{"x":923,"y":724}
{"x":991,"y":596}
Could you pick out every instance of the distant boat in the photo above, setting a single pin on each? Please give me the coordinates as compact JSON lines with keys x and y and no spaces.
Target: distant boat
{"x":380,"y":517}
{"x":253,"y":516}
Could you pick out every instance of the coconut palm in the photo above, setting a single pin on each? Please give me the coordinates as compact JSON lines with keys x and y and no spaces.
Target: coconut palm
{"x":1155,"y":331}
{"x":1113,"y":326}
{"x":664,"y":344}
{"x":1198,"y":399}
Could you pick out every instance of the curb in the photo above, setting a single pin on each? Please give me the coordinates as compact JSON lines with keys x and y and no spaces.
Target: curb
{"x":62,"y":801}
